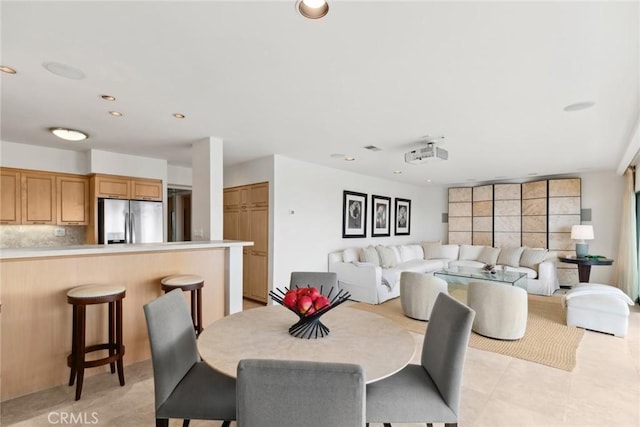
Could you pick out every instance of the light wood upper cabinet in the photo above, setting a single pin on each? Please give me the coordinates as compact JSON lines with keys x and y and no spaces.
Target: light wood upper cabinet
{"x":259,"y":194}
{"x":10,"y":204}
{"x":146,"y":189}
{"x":112,"y":187}
{"x":38,"y":198}
{"x":72,"y":200}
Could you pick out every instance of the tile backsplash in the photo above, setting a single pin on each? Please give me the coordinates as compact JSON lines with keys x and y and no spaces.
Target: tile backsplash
{"x":38,"y":236}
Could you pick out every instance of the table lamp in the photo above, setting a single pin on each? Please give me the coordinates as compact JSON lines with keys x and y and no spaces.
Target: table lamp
{"x":582,"y":233}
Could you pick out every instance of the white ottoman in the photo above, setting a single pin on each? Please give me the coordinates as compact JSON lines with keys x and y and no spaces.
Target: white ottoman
{"x":601,"y":308}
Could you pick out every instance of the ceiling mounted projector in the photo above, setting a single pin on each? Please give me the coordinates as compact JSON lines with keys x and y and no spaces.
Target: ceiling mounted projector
{"x":430,"y":151}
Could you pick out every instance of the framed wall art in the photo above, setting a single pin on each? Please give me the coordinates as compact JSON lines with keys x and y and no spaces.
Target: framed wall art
{"x":354,"y":213}
{"x":403,"y":217}
{"x":380,"y":216}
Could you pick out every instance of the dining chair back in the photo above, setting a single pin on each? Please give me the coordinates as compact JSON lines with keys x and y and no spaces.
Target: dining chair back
{"x":429,"y":392}
{"x":185,"y":387}
{"x":276,"y":393}
{"x":314,"y":278}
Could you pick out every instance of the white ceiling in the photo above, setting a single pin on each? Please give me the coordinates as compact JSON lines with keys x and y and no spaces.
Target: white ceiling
{"x":492,"y":77}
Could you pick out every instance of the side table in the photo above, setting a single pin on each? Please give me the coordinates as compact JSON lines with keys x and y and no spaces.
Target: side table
{"x":584,"y":265}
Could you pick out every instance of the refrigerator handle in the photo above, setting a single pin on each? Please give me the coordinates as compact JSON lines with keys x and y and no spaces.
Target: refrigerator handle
{"x":132,"y":232}
{"x":126,"y":227}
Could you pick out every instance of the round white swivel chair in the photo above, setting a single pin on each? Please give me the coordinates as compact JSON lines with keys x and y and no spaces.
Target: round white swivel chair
{"x":418,"y":293}
{"x":501,"y":310}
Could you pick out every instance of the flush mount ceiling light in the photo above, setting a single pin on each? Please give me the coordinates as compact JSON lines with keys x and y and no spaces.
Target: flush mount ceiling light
{"x":108,"y":97}
{"x":349,"y":159}
{"x":7,"y":70}
{"x":312,"y":9}
{"x":578,"y":106}
{"x":115,"y":113}
{"x":69,"y":134}
{"x":179,"y":116}
{"x":64,"y":70}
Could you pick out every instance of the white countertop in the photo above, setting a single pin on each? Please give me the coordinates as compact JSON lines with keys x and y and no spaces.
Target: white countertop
{"x":79,"y":250}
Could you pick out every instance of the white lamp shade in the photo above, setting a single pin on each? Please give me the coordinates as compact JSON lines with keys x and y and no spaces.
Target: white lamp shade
{"x":582,"y":232}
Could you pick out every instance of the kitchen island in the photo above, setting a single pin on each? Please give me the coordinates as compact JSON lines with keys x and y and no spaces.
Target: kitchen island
{"x":36,"y":318}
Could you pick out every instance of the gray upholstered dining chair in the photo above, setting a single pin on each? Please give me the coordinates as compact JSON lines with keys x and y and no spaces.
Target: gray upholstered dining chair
{"x":276,"y":393}
{"x":429,"y":392}
{"x":185,"y":387}
{"x":314,"y":278}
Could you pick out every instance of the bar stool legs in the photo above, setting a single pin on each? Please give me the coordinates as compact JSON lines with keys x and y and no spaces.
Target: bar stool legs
{"x":88,"y":295}
{"x":188,"y":283}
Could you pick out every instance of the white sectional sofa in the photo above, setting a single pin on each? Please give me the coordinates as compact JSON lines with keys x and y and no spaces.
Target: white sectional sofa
{"x":372,"y":274}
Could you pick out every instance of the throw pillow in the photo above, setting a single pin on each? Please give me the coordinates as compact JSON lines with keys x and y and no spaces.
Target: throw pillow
{"x":450,"y":252}
{"x":407,"y":253}
{"x":369,"y":254}
{"x":532,"y":257}
{"x":432,"y":249}
{"x":350,"y":255}
{"x":387,"y":257}
{"x":489,"y":255}
{"x":470,"y":252}
{"x":510,"y":256}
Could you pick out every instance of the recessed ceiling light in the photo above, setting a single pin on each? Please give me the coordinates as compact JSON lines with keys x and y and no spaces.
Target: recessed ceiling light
{"x":115,"y":113}
{"x":108,"y":97}
{"x":69,"y":134}
{"x":428,"y":180}
{"x":579,"y":106}
{"x":312,"y":9}
{"x":397,"y":172}
{"x":7,"y":70}
{"x":349,"y":159}
{"x":179,"y":116}
{"x":64,"y":70}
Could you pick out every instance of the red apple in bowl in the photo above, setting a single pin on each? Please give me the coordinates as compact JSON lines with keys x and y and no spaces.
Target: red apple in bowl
{"x":304,"y":303}
{"x":321,"y":302}
{"x":290,"y":299}
{"x":314,"y":293}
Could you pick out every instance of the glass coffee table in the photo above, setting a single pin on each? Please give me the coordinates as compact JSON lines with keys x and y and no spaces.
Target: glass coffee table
{"x":464,"y":275}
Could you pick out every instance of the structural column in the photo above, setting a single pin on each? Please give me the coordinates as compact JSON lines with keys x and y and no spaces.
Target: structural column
{"x":207,"y":189}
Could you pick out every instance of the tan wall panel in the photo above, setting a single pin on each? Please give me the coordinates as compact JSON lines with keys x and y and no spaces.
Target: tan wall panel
{"x":459,"y":238}
{"x":507,"y":207}
{"x":459,"y":209}
{"x":534,"y":190}
{"x":460,"y":194}
{"x":36,"y":318}
{"x":507,"y":224}
{"x":534,"y":240}
{"x":482,"y":224}
{"x":482,"y":238}
{"x":462,"y":223}
{"x":506,"y":191}
{"x":506,"y":240}
{"x":564,"y":187}
{"x":482,"y":209}
{"x":564,"y":205}
{"x":561,"y":242}
{"x":534,"y":207}
{"x":537,"y":223}
{"x":562,"y":223}
{"x":483,"y":193}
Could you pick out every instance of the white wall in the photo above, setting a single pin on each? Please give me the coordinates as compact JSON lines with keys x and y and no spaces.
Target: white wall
{"x":23,"y":156}
{"x":179,"y":176}
{"x":123,"y":164}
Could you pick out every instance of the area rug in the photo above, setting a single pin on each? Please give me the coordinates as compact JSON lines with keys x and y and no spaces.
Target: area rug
{"x":548,"y":340}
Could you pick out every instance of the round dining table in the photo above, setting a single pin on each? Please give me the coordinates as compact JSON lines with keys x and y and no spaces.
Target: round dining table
{"x":377,"y":344}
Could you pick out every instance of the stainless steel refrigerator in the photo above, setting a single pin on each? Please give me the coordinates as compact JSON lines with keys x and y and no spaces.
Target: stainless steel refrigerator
{"x":129,"y":221}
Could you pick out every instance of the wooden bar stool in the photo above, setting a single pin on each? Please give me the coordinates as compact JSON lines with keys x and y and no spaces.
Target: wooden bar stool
{"x":191,"y":283}
{"x":80,"y":298}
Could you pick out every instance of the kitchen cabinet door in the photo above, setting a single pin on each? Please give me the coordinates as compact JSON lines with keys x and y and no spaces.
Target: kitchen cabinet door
{"x":10,"y":203}
{"x":112,"y":187}
{"x":72,"y":200}
{"x":38,"y":198}
{"x":146,"y":189}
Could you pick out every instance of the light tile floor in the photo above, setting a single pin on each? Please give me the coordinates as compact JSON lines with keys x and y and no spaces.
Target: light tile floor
{"x":603,"y":390}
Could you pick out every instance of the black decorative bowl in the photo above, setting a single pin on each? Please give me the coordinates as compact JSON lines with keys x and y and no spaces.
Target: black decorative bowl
{"x":309,"y":326}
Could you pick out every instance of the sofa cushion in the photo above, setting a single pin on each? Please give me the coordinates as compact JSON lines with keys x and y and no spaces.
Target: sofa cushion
{"x":489,"y":255}
{"x":370,"y":254}
{"x":432,"y":250}
{"x":388,"y":257}
{"x":410,"y":252}
{"x":470,"y":252}
{"x":510,"y":256}
{"x":466,"y":263}
{"x":532,"y":257}
{"x":449,"y":252}
{"x":531,"y":273}
{"x":391,"y":276}
{"x":351,"y":255}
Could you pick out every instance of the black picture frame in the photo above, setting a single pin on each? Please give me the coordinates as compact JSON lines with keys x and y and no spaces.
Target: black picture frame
{"x":354,"y":214}
{"x":380,"y":216}
{"x":402,"y":217}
